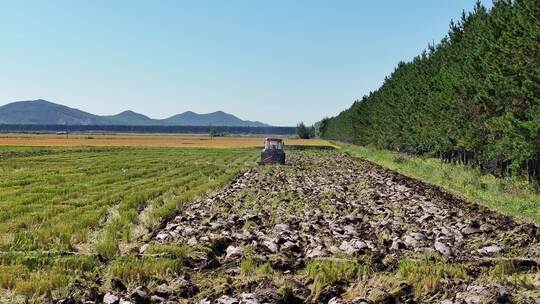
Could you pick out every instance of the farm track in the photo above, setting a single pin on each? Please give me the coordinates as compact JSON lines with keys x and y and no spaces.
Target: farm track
{"x":328,"y":206}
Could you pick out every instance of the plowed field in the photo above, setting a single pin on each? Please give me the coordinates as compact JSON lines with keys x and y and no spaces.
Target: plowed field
{"x":329,"y":228}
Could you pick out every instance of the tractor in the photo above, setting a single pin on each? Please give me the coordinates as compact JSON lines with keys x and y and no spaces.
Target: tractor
{"x":273,"y":152}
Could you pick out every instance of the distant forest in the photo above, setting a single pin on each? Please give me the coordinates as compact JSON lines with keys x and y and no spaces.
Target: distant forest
{"x":148,"y":129}
{"x":473,"y":98}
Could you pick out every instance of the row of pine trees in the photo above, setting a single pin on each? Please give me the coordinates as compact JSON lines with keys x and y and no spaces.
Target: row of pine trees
{"x":473,"y":98}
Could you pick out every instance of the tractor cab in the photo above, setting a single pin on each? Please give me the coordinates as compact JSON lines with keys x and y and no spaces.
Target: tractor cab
{"x":273,"y":152}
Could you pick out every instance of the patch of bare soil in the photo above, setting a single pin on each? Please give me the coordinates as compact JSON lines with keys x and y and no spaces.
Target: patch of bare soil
{"x":269,"y":233}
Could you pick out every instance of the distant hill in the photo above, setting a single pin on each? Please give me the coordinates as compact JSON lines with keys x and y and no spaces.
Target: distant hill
{"x":131,"y":118}
{"x":42,"y":112}
{"x":218,"y":118}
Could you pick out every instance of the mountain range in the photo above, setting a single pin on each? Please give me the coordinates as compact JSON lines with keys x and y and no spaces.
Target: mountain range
{"x":42,"y":112}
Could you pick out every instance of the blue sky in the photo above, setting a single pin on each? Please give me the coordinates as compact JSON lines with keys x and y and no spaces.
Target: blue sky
{"x":275,"y":61}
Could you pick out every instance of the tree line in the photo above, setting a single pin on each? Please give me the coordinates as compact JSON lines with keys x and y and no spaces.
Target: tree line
{"x":4,"y":128}
{"x":473,"y":98}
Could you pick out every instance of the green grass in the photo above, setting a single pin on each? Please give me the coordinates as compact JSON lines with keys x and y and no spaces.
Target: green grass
{"x":325,"y":272}
{"x":44,"y":275}
{"x":507,"y":272}
{"x":255,"y":268}
{"x":512,"y":196}
{"x":141,"y":270}
{"x":55,"y":201}
{"x":427,"y":276}
{"x":179,"y":252}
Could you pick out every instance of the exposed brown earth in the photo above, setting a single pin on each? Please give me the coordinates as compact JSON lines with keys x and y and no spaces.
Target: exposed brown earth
{"x":265,"y":237}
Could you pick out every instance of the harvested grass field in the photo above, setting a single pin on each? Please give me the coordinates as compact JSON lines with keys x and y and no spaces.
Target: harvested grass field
{"x":142,"y":140}
{"x":55,"y":201}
